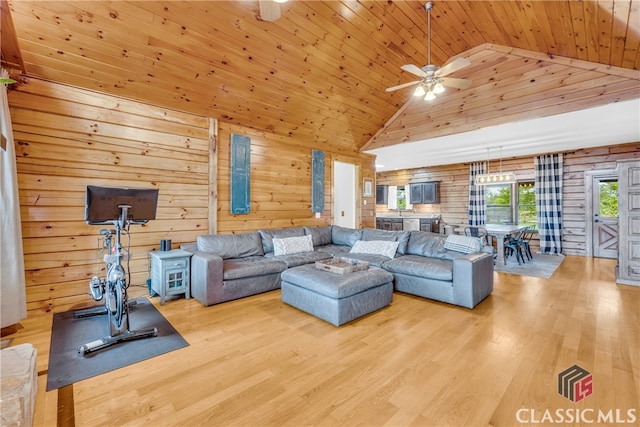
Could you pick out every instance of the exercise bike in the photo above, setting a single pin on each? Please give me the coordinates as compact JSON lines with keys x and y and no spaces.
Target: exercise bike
{"x":97,"y":285}
{"x":113,"y":289}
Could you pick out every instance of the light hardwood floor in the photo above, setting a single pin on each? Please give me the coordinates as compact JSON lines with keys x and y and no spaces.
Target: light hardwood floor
{"x":259,"y":362}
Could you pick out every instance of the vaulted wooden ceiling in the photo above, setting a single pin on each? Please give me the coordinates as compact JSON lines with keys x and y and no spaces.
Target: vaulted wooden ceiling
{"x":319,"y":72}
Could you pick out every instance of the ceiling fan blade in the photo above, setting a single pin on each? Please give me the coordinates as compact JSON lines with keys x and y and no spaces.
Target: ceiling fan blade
{"x":453,"y":66}
{"x":456,"y":83}
{"x":403,"y":85}
{"x":269,"y":10}
{"x":414,"y":69}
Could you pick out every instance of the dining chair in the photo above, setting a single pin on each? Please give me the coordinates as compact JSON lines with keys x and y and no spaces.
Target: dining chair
{"x":513,"y":247}
{"x":525,"y":241}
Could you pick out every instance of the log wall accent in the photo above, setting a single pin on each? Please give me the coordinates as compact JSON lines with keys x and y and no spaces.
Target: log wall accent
{"x":454,"y":188}
{"x":67,"y":138}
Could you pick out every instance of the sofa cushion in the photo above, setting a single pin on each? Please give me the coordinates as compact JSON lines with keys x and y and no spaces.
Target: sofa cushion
{"x":345,"y":236}
{"x":292,"y":245}
{"x":238,"y":268}
{"x":320,"y":235}
{"x":231,"y":245}
{"x":375,"y":247}
{"x":426,"y":244}
{"x":333,"y":250}
{"x":419,"y":266}
{"x":465,"y":244}
{"x":402,"y":237}
{"x":300,"y":258}
{"x":268,"y":235}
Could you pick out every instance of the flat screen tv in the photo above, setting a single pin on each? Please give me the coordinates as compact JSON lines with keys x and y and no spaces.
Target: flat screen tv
{"x":102,"y":204}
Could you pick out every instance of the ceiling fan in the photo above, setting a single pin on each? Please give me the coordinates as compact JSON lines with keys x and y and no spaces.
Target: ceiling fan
{"x":270,"y":9}
{"x":432,"y":77}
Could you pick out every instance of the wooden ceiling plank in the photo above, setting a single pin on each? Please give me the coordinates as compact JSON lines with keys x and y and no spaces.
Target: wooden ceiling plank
{"x":516,"y":12}
{"x":590,"y":14}
{"x":579,"y":30}
{"x":631,"y":56}
{"x":462,"y":23}
{"x":529,"y":23}
{"x":388,"y":32}
{"x":620,"y":20}
{"x":605,"y":28}
{"x":560,"y":22}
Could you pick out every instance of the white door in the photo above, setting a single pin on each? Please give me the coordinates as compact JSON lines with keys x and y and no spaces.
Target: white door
{"x":604,"y":218}
{"x":344,"y":194}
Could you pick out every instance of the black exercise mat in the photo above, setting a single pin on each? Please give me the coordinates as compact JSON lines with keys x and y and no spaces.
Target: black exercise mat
{"x":67,"y":365}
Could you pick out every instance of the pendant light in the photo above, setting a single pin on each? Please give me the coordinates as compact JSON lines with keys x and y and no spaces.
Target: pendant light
{"x":495,"y":178}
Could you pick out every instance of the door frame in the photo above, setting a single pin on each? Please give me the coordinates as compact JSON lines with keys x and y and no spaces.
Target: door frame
{"x":588,"y":209}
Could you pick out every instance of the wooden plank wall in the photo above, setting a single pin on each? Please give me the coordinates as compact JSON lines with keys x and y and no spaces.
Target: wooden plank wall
{"x":67,"y":138}
{"x":454,"y":190}
{"x":281,"y":183}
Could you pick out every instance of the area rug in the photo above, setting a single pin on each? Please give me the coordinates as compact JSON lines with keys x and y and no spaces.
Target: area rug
{"x":67,"y":365}
{"x":542,"y":266}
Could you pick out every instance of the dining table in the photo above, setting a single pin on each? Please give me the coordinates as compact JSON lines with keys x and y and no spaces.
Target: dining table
{"x":499,"y":232}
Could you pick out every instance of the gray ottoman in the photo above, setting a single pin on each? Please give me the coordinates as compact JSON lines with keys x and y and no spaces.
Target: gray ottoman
{"x":336,"y":298}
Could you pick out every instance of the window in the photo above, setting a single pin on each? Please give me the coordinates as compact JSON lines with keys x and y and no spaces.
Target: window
{"x":509,"y":203}
{"x":527,"y":214}
{"x":398,"y":198}
{"x":609,"y":199}
{"x":499,"y":207}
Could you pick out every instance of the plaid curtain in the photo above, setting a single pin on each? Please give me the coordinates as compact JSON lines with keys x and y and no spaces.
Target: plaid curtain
{"x":477,"y":202}
{"x":549,"y":201}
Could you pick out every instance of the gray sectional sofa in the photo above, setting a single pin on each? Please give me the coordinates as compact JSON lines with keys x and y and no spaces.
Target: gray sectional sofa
{"x":232,"y":266}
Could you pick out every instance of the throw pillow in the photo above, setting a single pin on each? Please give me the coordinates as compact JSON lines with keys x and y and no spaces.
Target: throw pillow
{"x":281,"y":233}
{"x":375,"y":247}
{"x":292,"y":245}
{"x":465,"y":244}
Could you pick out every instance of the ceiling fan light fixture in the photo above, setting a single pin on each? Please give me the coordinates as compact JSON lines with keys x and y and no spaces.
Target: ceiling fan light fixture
{"x":430,"y":96}
{"x":438,"y":88}
{"x":419,"y":91}
{"x":280,"y":1}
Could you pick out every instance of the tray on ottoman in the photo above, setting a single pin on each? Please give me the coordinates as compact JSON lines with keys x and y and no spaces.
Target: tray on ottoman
{"x":341,"y":265}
